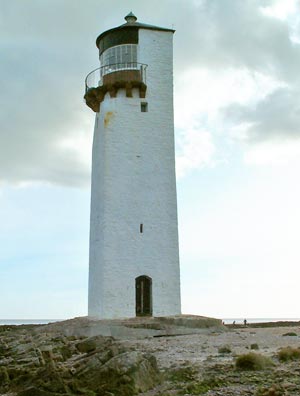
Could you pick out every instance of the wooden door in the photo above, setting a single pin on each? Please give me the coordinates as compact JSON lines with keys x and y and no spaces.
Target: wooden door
{"x":143,"y":296}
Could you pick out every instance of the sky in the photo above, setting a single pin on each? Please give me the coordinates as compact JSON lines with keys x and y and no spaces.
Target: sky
{"x":237,"y":133}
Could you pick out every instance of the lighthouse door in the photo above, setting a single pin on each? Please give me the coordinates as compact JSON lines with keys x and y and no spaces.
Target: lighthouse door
{"x":143,"y":296}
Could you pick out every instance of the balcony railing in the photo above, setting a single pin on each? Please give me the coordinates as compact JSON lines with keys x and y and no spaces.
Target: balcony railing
{"x":96,"y":78}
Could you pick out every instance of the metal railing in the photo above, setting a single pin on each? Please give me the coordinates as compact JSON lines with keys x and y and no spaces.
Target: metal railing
{"x":95,"y":77}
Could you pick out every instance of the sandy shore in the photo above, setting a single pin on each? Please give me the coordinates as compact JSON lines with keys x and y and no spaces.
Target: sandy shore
{"x":202,"y":370}
{"x":203,"y":349}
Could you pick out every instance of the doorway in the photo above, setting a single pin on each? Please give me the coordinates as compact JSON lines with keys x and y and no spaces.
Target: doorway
{"x":143,"y":296}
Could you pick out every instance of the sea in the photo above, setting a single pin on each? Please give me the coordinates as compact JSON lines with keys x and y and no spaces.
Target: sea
{"x":226,"y":320}
{"x":258,"y":320}
{"x":27,"y":321}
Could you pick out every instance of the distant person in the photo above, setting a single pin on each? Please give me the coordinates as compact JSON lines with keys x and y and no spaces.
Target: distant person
{"x":245,"y":322}
{"x":233,"y":323}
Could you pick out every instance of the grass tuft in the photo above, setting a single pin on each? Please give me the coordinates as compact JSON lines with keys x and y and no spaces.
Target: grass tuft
{"x":183,"y":374}
{"x":253,"y":361}
{"x":205,"y":385}
{"x":225,"y":349}
{"x":289,"y":334}
{"x":288,"y":353}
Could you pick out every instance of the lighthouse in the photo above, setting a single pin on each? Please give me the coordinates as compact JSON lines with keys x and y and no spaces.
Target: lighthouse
{"x":134,"y":255}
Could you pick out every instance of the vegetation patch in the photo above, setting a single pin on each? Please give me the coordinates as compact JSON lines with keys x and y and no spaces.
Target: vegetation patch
{"x":253,"y":361}
{"x":274,"y":390}
{"x":289,"y":334}
{"x":205,"y":385}
{"x":287,"y":354}
{"x":225,"y":349}
{"x":254,"y":346}
{"x":183,"y":374}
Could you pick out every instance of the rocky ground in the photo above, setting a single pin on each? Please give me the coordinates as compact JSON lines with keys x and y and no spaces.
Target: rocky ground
{"x":44,"y":361}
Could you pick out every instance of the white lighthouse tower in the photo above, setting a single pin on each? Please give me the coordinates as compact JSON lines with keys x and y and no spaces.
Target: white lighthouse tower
{"x":134,"y":260}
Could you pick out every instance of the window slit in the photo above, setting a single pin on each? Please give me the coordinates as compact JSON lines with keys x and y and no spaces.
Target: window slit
{"x":144,"y":107}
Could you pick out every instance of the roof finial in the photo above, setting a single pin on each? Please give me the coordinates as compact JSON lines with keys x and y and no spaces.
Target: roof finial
{"x":130,"y":18}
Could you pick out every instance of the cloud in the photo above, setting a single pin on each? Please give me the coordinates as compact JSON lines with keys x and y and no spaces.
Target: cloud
{"x":276,"y":116}
{"x":48,"y":48}
{"x":195,"y":150}
{"x":282,"y":153}
{"x":250,"y":58}
{"x":235,"y":34}
{"x":41,"y":104}
{"x":264,"y":41}
{"x":269,"y":129}
{"x":281,"y":9}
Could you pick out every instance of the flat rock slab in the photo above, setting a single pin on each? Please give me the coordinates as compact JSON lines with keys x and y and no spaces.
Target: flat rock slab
{"x":137,"y":328}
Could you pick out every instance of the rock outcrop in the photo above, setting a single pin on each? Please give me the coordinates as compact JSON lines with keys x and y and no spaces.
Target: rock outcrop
{"x":34,"y":362}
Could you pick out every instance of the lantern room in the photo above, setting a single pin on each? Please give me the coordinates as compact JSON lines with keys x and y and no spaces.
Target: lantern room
{"x":119,"y":66}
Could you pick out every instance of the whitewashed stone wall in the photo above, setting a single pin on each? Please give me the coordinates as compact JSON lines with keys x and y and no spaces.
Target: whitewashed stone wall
{"x":133,"y":183}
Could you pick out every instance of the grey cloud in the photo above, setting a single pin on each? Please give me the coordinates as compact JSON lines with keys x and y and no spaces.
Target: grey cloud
{"x":44,"y":64}
{"x":277,"y":116}
{"x":41,"y":105}
{"x":235,"y":34}
{"x":47,"y":47}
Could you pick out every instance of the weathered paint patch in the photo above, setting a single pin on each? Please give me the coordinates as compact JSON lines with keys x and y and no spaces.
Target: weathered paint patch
{"x":108,"y":117}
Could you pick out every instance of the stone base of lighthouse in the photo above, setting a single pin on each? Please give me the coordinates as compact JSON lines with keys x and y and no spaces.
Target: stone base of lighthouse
{"x":138,"y":328}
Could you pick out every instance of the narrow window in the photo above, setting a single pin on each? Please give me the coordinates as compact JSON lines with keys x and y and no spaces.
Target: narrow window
{"x":141,"y":228}
{"x":144,"y":107}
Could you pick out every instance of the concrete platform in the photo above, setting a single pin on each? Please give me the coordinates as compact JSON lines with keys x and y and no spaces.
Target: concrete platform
{"x":137,"y":328}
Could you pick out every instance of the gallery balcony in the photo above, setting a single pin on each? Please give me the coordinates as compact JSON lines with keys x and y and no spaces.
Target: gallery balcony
{"x":110,"y":79}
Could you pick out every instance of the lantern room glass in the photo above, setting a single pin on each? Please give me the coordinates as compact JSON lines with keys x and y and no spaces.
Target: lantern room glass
{"x":120,"y":57}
